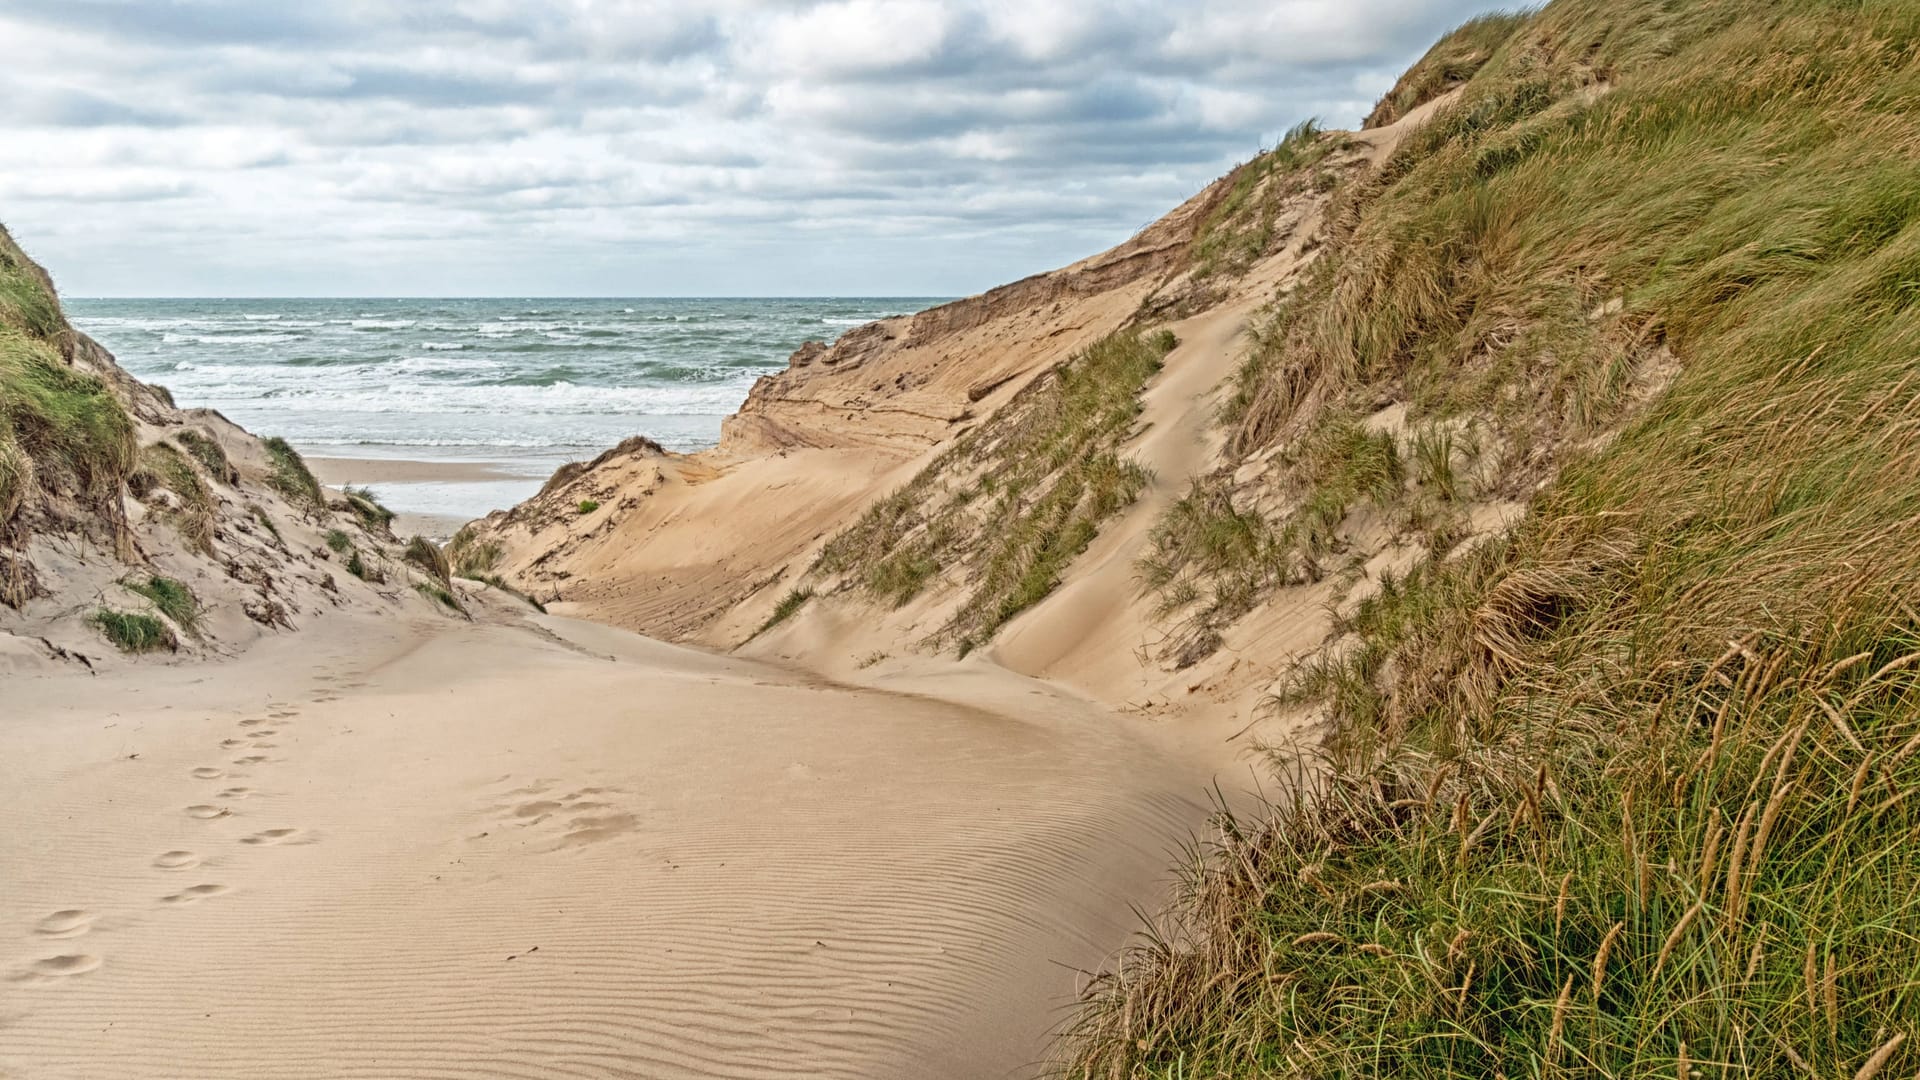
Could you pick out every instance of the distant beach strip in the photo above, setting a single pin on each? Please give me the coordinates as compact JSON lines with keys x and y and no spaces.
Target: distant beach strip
{"x":511,"y":387}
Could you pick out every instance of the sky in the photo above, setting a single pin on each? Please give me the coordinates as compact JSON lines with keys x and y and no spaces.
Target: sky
{"x":646,"y":147}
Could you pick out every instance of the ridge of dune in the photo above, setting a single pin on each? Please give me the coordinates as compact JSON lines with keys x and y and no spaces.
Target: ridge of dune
{"x":701,"y":547}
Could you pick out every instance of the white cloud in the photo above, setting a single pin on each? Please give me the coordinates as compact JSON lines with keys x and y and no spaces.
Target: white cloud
{"x":646,"y":146}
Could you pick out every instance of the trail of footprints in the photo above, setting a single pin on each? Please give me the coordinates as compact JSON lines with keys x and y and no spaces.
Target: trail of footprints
{"x":76,"y":922}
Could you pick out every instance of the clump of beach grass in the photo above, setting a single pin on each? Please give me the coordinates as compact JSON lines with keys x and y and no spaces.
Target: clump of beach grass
{"x":1241,"y":227}
{"x":288,"y":474}
{"x":61,"y":430}
{"x":495,"y":581}
{"x":426,"y":555}
{"x":208,"y":453}
{"x":372,"y":515}
{"x":193,"y":513}
{"x":439,"y":594}
{"x":171,"y":597}
{"x":132,"y":632}
{"x":588,"y":506}
{"x":793,"y":601}
{"x":470,"y":556}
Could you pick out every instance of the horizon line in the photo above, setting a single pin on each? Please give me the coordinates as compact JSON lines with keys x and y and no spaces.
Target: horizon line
{"x":551,"y":296}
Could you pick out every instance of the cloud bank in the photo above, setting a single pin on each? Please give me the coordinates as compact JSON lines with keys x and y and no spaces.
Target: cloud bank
{"x":645,"y":147}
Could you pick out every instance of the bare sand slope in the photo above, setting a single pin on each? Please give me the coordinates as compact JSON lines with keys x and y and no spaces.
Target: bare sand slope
{"x":382,"y":849}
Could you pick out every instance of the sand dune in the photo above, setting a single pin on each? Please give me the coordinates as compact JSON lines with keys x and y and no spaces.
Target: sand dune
{"x":380,"y":849}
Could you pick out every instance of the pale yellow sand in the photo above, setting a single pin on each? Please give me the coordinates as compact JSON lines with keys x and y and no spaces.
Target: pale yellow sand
{"x":338,"y":471}
{"x":382,"y":850}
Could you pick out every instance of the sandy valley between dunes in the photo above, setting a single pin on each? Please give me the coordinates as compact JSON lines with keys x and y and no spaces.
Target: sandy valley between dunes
{"x":547,"y":848}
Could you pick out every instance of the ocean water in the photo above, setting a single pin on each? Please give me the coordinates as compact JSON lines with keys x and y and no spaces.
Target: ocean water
{"x":530,"y":384}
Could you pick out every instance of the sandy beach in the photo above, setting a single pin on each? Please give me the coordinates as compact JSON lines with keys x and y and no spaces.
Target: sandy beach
{"x":434,"y":497}
{"x":527,"y":846}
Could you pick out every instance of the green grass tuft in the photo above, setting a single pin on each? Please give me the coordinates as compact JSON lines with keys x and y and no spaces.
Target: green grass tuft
{"x":588,"y":506}
{"x":373,"y":516}
{"x":68,"y":423}
{"x":339,"y":541}
{"x":134,"y":633}
{"x":208,"y":453}
{"x":439,"y":594}
{"x":784,"y":610}
{"x":1451,"y":62}
{"x":495,"y":581}
{"x":173,"y":599}
{"x":1242,"y":227}
{"x":472,"y":557}
{"x":194,"y":512}
{"x":426,"y":555}
{"x":288,"y":474}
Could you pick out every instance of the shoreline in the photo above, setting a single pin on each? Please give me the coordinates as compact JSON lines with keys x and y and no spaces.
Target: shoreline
{"x":434,"y":498}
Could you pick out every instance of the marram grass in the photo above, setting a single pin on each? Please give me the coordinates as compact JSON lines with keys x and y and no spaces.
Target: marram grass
{"x":1631,"y":791}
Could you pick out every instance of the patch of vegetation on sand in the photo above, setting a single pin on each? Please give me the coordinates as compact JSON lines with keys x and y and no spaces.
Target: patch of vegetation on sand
{"x":61,"y":430}
{"x":208,"y":453}
{"x":472,"y":557}
{"x":373,"y":516}
{"x":192,"y":512}
{"x":171,"y":597}
{"x":288,"y":474}
{"x":134,"y":633}
{"x":789,"y":604}
{"x":1012,"y":502}
{"x":1242,"y":227}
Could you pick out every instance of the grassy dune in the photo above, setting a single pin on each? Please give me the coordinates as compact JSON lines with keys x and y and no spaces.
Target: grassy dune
{"x":1630,"y":790}
{"x":61,"y":431}
{"x":1013,"y":501}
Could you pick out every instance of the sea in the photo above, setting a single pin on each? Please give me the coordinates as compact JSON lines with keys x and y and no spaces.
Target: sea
{"x":523,"y":385}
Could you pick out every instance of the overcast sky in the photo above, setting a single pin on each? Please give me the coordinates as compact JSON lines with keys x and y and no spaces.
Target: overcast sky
{"x":636,"y":148}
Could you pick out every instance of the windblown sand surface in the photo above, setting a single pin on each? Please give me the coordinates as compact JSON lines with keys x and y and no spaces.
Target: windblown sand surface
{"x":380,"y":849}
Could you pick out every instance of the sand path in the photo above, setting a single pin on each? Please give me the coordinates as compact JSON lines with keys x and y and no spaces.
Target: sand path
{"x":456,"y":850}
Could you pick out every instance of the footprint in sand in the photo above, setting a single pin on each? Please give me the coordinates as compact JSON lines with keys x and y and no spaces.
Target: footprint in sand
{"x":265,"y":745}
{"x":236,"y":793}
{"x":64,"y":924}
{"x":250,"y":759}
{"x":576,"y":809}
{"x":228,"y":744}
{"x":54,"y":967}
{"x":272,"y":836}
{"x":207,"y":772}
{"x":194,"y":893}
{"x":253,"y":721}
{"x":176,"y":860}
{"x":589,"y":830}
{"x":207,"y":813}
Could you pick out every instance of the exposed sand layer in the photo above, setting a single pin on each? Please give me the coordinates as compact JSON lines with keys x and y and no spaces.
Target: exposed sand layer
{"x":382,"y":848}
